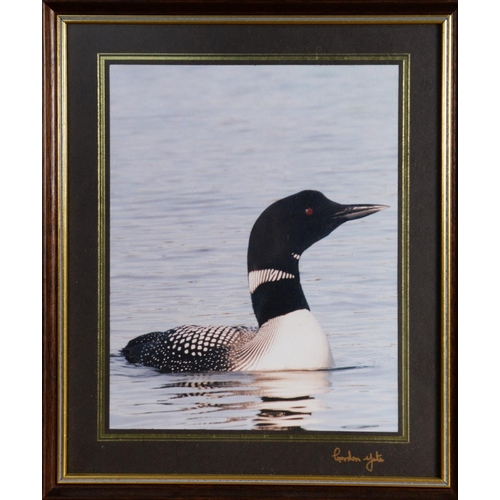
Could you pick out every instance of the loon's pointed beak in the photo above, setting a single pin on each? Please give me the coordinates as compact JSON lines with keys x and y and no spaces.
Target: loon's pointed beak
{"x":351,"y":212}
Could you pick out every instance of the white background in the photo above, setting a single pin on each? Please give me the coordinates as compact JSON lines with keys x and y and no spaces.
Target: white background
{"x":20,"y":200}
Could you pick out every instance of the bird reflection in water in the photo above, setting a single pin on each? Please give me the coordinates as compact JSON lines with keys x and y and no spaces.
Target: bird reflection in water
{"x":287,"y":399}
{"x":273,"y":401}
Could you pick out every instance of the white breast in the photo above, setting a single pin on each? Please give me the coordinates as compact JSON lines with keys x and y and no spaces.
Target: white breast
{"x":294,"y":341}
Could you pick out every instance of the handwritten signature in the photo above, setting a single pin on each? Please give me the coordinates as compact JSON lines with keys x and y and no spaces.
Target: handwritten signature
{"x":369,"y":459}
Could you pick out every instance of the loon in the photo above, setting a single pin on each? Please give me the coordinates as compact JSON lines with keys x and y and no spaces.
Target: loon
{"x":288,"y":336}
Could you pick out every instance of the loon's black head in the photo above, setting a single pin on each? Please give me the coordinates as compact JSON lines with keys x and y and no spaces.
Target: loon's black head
{"x":280,"y":235}
{"x":291,"y":225}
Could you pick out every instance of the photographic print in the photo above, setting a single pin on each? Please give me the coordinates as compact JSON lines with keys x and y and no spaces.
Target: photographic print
{"x":254,"y":238}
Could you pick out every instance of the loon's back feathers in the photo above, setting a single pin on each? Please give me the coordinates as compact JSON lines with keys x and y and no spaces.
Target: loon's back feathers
{"x":288,"y":337}
{"x":188,"y":348}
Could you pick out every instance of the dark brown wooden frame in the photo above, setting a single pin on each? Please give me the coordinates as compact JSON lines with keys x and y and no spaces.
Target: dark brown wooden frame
{"x":53,"y":8}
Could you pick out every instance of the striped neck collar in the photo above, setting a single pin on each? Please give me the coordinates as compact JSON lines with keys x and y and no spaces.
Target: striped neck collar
{"x":257,"y":278}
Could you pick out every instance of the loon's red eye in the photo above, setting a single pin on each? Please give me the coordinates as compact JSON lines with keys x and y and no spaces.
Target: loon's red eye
{"x":309,"y":211}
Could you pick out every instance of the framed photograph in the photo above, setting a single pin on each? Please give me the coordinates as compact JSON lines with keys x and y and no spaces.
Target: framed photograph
{"x":250,"y":249}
